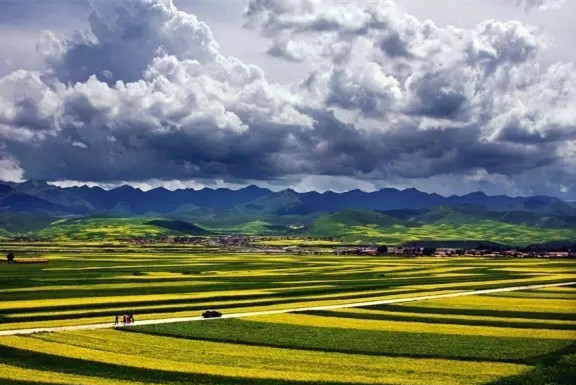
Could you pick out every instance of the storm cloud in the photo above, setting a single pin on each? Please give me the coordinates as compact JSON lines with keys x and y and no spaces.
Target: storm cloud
{"x":146,"y":94}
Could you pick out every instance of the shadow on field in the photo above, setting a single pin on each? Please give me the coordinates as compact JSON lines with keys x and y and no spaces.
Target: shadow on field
{"x":555,"y":368}
{"x":41,"y":361}
{"x":18,"y":382}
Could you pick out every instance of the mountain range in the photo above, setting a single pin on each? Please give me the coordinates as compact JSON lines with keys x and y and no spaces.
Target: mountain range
{"x":37,"y":207}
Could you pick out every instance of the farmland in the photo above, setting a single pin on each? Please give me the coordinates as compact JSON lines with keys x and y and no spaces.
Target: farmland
{"x":519,"y":337}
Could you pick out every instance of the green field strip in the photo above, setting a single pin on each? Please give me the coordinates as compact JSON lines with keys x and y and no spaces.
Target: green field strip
{"x":336,"y":339}
{"x":427,"y":318}
{"x":536,"y":315}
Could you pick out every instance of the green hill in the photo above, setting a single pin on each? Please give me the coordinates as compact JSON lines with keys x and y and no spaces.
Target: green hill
{"x":441,"y":223}
{"x":438,"y":224}
{"x":449,"y":215}
{"x":23,"y":222}
{"x":178,"y":226}
{"x":253,"y":228}
{"x":351,"y":223}
{"x":106,"y":229}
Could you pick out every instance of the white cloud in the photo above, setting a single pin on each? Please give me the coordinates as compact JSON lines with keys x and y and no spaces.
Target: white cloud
{"x":146,"y":95}
{"x":542,"y":5}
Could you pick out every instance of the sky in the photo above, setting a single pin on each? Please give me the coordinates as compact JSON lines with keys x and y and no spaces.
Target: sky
{"x":450,"y":96}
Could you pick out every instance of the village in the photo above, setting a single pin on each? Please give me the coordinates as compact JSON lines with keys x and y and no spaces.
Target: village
{"x":285,"y":245}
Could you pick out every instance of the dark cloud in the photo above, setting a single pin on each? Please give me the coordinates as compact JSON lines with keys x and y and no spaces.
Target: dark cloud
{"x":145,"y":94}
{"x":447,"y":101}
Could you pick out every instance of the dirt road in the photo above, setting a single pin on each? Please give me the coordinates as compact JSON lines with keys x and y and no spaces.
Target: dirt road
{"x":281,"y":311}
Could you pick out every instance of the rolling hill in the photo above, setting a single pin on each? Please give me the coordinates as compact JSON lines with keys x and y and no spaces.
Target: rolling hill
{"x":390,"y":215}
{"x":436,"y":224}
{"x":114,"y":229}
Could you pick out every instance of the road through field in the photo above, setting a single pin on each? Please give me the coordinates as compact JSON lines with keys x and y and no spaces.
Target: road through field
{"x":281,"y":311}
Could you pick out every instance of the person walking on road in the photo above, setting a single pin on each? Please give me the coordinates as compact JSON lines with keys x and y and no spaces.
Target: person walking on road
{"x":116,"y":319}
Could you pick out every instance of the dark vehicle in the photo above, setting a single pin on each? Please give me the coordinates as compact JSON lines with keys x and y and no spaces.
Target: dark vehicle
{"x":211,"y":314}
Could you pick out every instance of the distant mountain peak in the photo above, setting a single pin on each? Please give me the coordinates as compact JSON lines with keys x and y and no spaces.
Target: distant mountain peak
{"x":253,"y":187}
{"x":34,"y":183}
{"x":126,"y":187}
{"x":477,"y":194}
{"x":257,"y":203}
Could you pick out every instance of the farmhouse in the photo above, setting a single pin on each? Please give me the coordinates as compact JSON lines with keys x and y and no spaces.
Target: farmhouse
{"x":446,"y":252}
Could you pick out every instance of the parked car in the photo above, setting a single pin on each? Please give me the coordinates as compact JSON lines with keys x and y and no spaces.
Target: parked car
{"x":211,"y":314}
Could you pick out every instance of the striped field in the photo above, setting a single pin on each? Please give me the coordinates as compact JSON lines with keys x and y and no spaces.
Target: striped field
{"x":519,"y":337}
